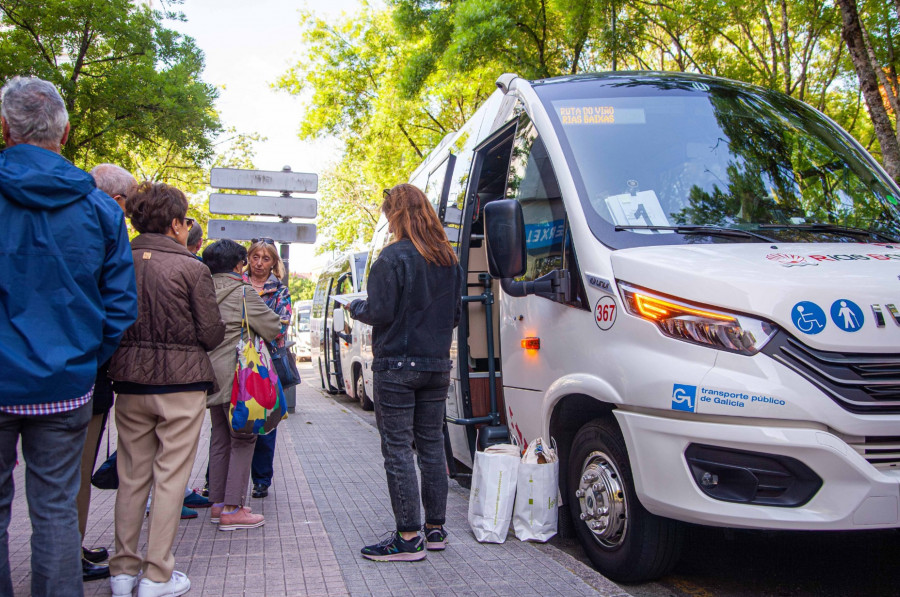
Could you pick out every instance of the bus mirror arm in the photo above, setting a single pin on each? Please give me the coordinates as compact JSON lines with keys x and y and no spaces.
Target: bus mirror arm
{"x":552,"y":285}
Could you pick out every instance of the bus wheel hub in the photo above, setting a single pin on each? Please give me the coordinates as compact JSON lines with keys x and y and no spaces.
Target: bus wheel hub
{"x":601,"y":497}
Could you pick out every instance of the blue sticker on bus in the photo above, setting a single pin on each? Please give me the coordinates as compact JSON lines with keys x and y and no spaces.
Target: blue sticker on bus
{"x":684,"y":397}
{"x":847,"y":315}
{"x":808,"y":317}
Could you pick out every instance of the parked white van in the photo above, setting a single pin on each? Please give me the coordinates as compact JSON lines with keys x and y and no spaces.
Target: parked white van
{"x":300,"y":330}
{"x":341,"y":276}
{"x":696,"y":290}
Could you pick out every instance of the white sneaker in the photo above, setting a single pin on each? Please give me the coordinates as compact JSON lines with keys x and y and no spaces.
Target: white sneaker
{"x":123,"y":585}
{"x":179,"y":584}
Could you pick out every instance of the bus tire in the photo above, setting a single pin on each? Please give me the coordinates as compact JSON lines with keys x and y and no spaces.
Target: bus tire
{"x":364,"y":401}
{"x":623,"y":540}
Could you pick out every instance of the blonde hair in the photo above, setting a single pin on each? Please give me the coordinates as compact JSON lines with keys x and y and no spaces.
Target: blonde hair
{"x":411,"y":216}
{"x":261,"y":245}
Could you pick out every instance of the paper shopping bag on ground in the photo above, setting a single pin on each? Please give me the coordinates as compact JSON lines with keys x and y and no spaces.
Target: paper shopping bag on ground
{"x":536,"y":512}
{"x":493,"y":492}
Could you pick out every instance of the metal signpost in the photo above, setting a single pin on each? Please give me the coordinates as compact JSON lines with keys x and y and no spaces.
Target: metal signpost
{"x":284,"y":207}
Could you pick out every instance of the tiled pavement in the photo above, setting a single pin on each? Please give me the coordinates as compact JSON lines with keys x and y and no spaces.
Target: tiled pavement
{"x":328,"y":499}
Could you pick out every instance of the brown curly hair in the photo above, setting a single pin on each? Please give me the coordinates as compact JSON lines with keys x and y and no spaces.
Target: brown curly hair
{"x":153,"y":205}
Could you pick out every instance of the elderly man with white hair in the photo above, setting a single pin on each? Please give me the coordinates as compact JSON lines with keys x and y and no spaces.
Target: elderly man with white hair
{"x":67,"y":294}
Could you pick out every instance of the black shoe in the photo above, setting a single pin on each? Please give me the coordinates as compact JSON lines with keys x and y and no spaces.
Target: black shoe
{"x":92,"y":571}
{"x":394,"y":548}
{"x":96,"y":555}
{"x":260,"y":491}
{"x":435,"y":538}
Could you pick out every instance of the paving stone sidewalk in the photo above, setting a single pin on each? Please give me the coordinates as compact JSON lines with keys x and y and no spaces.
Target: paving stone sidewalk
{"x":328,"y":499}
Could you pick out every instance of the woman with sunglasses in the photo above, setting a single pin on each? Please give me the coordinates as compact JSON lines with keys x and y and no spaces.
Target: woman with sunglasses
{"x":413,"y":304}
{"x":264,"y":273}
{"x":162,"y":374}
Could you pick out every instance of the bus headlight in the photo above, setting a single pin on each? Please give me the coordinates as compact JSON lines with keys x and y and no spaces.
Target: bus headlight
{"x":698,"y":324}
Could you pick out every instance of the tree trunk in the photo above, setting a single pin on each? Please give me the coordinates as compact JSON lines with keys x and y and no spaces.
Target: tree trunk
{"x":852,"y":33}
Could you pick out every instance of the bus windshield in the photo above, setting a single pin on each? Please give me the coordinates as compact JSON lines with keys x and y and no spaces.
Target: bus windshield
{"x":669,"y":160}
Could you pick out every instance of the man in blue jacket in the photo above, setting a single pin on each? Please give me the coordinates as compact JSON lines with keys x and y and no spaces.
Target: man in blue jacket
{"x":67,"y":294}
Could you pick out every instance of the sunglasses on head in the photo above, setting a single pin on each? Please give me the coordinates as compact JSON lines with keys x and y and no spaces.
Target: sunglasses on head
{"x":268,"y":241}
{"x":386,"y":193}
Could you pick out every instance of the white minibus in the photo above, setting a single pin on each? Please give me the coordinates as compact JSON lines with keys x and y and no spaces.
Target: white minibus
{"x":693,"y":286}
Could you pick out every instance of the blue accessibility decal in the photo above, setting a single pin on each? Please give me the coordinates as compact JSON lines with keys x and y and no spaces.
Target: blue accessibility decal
{"x":808,"y":317}
{"x":847,"y":315}
{"x":684,"y":397}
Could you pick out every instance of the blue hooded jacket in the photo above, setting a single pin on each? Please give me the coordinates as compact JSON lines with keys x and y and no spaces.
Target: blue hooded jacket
{"x":67,"y":287}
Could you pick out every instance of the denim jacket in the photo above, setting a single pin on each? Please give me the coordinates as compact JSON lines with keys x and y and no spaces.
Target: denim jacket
{"x":412,"y":307}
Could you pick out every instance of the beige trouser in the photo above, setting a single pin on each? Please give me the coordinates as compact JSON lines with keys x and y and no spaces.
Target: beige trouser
{"x":88,"y":460}
{"x":158,"y":436}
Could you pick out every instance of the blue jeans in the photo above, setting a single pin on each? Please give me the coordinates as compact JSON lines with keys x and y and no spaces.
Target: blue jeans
{"x":261,"y":469}
{"x":409,"y":406}
{"x":51,"y":447}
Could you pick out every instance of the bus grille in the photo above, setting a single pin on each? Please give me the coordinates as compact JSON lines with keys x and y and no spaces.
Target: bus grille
{"x":881,"y":452}
{"x":862,"y":383}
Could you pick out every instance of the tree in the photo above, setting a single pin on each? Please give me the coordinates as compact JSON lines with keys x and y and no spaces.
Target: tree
{"x":874,"y":85}
{"x":353,"y":72}
{"x":131,"y":86}
{"x":301,"y":289}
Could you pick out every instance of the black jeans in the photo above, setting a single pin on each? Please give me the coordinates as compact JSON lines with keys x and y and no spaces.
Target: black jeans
{"x":409,"y":405}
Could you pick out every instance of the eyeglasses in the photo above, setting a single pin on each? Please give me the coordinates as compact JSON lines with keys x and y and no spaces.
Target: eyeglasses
{"x":189,"y":222}
{"x":385,"y":193}
{"x":268,"y":241}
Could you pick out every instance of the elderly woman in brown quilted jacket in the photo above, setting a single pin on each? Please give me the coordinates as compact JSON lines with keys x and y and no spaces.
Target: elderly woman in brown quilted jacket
{"x":162,"y":374}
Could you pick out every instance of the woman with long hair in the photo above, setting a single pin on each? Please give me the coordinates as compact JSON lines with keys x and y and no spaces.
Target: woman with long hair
{"x":264,"y":272}
{"x":414,"y":301}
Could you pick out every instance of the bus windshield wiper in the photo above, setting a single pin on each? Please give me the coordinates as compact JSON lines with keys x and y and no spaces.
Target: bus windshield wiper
{"x":819,"y":227}
{"x":710,"y":230}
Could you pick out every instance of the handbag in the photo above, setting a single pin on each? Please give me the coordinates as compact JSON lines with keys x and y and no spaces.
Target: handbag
{"x":107,"y":475}
{"x":285,"y":366}
{"x":493,"y":492}
{"x":257,"y":398}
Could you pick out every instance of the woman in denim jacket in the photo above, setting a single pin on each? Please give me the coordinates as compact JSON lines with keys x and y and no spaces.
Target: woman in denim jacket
{"x":413,"y":304}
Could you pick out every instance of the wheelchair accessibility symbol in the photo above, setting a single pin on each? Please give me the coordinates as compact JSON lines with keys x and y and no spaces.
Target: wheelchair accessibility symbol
{"x":808,"y":317}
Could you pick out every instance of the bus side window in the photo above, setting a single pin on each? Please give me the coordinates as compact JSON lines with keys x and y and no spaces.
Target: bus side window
{"x":532,"y":182}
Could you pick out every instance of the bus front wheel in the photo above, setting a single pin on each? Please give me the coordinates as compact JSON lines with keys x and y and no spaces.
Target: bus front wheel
{"x":624,"y":541}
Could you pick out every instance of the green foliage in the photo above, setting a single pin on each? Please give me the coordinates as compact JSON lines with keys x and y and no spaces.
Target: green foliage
{"x":131,"y":86}
{"x":390,"y":83}
{"x":301,"y":289}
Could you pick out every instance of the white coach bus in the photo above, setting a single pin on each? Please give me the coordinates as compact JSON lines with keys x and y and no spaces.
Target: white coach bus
{"x":694,"y":290}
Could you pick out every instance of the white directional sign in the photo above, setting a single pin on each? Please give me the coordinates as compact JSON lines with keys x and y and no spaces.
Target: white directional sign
{"x":283,"y":232}
{"x":259,"y":205}
{"x":263,"y":180}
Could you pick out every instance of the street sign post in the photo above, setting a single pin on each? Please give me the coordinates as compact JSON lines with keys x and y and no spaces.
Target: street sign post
{"x":282,"y":232}
{"x":284,"y":181}
{"x":260,"y":205}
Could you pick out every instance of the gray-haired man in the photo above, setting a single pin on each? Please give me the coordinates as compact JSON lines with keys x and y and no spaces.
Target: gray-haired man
{"x":67,"y":294}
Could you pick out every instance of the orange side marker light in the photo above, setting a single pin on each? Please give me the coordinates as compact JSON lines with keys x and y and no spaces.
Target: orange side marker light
{"x":531,"y":343}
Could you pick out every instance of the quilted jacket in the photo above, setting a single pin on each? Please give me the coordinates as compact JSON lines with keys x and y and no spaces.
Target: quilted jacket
{"x":178,"y":318}
{"x":230,"y":289}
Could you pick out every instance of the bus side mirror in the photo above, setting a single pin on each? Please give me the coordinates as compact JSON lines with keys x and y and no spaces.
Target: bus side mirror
{"x":337,"y":319}
{"x":504,"y":233}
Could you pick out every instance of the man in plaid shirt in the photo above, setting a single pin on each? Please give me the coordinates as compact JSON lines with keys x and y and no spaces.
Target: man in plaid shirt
{"x":67,"y":294}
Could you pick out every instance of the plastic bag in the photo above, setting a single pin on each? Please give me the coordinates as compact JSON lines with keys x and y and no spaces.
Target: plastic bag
{"x":493,"y":492}
{"x":536,"y":512}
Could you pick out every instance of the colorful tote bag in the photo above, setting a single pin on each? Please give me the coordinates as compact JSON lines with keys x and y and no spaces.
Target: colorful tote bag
{"x":257,"y":399}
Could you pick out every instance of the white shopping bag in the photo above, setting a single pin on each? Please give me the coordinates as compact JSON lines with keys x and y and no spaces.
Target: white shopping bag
{"x":493,"y":492}
{"x":536,"y":515}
